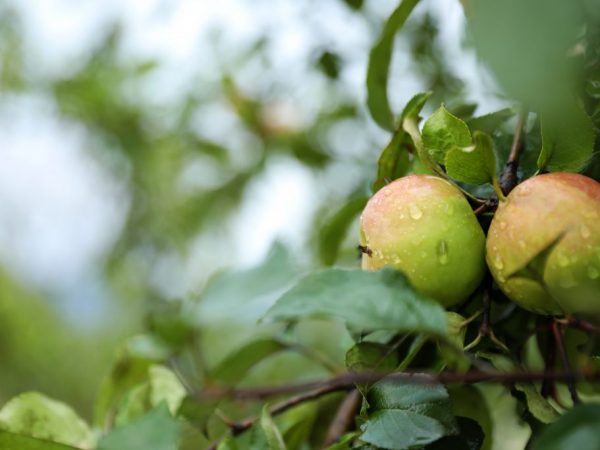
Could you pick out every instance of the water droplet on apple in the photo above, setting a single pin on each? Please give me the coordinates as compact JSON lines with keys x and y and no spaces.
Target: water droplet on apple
{"x":442,"y":252}
{"x":498,"y":263}
{"x":522,"y":243}
{"x":503,"y":225}
{"x":593,"y":272}
{"x":449,"y":209}
{"x":414,"y":211}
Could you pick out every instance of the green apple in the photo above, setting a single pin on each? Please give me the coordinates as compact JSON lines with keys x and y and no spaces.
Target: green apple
{"x":542,"y":209}
{"x":423,"y":226}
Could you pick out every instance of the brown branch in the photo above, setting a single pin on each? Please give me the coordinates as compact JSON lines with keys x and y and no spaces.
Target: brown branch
{"x":343,"y":419}
{"x":508,"y":179}
{"x":348,"y":380}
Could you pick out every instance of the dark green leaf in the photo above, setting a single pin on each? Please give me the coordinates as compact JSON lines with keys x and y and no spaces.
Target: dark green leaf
{"x":379,"y":65}
{"x":567,"y":141}
{"x":11,"y":441}
{"x":403,"y":416}
{"x":475,"y":164}
{"x":577,"y":429}
{"x":366,"y":301}
{"x":393,"y":161}
{"x":470,"y":438}
{"x":371,"y":356}
{"x":467,"y":401}
{"x":157,"y":430}
{"x":443,"y":131}
{"x":334,"y":230}
{"x":329,"y":63}
{"x":489,"y":123}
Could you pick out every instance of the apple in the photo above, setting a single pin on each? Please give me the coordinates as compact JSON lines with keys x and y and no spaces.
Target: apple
{"x":423,"y":226}
{"x":539,"y":211}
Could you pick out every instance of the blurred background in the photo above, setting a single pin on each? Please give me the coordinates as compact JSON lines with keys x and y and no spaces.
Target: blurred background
{"x":160,"y":153}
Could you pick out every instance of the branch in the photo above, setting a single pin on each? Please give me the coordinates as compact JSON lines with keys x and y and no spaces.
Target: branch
{"x":348,"y":380}
{"x":562,"y":352}
{"x":343,"y":419}
{"x":508,"y":179}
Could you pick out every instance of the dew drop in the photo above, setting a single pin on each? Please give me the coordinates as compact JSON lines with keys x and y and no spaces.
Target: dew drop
{"x":414,"y":211}
{"x":503,"y":225}
{"x":593,"y":272}
{"x":449,"y":209}
{"x":522,"y":243}
{"x":442,"y":252}
{"x":585,"y":232}
{"x":498,"y":263}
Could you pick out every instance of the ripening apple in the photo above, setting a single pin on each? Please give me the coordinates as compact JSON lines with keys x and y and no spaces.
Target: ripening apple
{"x":423,"y":226}
{"x":537,"y":212}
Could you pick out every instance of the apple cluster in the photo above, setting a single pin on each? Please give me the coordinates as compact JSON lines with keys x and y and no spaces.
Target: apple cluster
{"x":542,"y":247}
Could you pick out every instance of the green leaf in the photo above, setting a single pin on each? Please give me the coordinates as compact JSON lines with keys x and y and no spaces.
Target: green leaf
{"x":236,"y":365}
{"x":471,"y":437}
{"x":334,"y":230}
{"x":442,"y":132}
{"x":379,"y":66}
{"x":467,"y":401}
{"x":165,"y":386}
{"x":33,"y":414}
{"x":404,"y":416}
{"x":11,"y":441}
{"x":489,"y":123}
{"x":157,"y":430}
{"x":567,"y":141}
{"x":273,"y":435}
{"x":228,"y":444}
{"x":371,"y":356}
{"x":393,"y":161}
{"x":475,"y":164}
{"x":366,"y":301}
{"x":577,"y":429}
{"x":345,"y":442}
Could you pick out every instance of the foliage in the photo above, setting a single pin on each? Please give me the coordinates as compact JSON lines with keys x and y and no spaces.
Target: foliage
{"x":278,"y":355}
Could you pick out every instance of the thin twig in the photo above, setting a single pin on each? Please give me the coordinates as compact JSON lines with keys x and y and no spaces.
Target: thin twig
{"x":237,"y":428}
{"x":508,"y":179}
{"x":562,"y":352}
{"x":343,"y":419}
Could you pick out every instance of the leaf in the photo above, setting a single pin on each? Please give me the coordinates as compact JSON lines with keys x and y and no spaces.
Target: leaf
{"x":567,"y":141}
{"x":489,"y":123}
{"x":371,"y":356}
{"x":577,"y":429}
{"x":157,"y":430}
{"x":403,"y":416}
{"x":236,"y":365}
{"x":274,"y":438}
{"x":442,"y":132}
{"x":35,"y":415}
{"x":379,"y":66}
{"x":467,"y":401}
{"x":165,"y":386}
{"x":345,"y":442}
{"x":393,"y":161}
{"x":471,"y":437}
{"x":11,"y":441}
{"x":475,"y":164}
{"x":366,"y":301}
{"x":334,"y":230}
